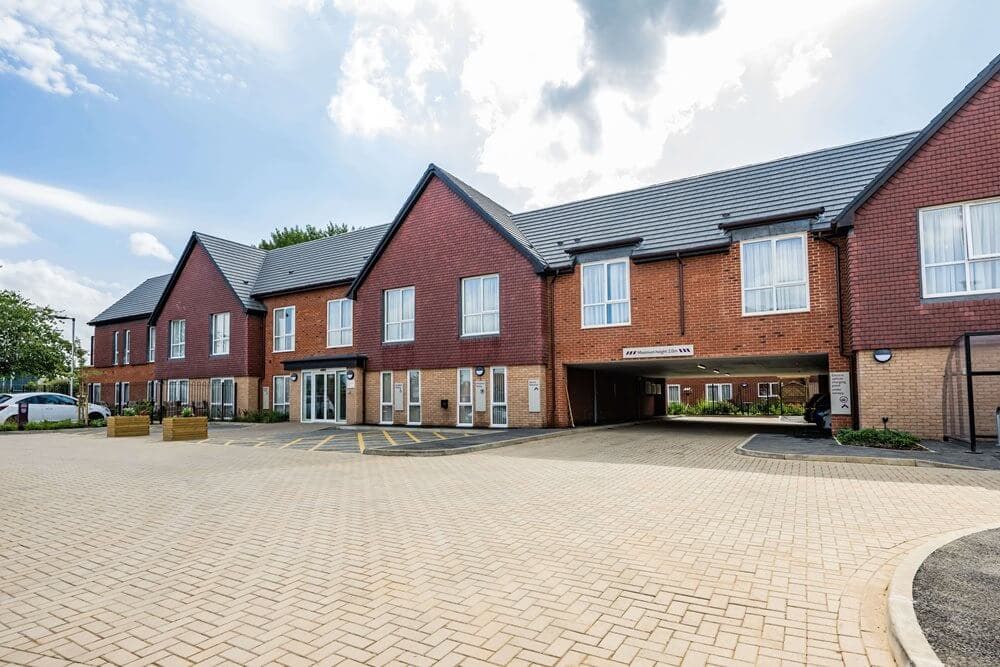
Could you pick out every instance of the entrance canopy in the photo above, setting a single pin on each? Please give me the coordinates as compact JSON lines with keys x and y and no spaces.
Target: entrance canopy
{"x":793,"y":365}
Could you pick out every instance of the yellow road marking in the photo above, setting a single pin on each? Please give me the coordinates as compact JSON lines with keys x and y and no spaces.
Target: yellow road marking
{"x":389,"y":438}
{"x":321,"y":443}
{"x":288,"y":444}
{"x":413,"y":437}
{"x":260,"y":444}
{"x":361,"y":442}
{"x":228,"y":442}
{"x":439,"y":436}
{"x":202,"y":442}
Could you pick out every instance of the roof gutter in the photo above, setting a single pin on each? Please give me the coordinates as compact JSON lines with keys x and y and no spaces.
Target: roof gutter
{"x":661,"y":255}
{"x":603,"y":245}
{"x":303,"y":288}
{"x":812,"y":212}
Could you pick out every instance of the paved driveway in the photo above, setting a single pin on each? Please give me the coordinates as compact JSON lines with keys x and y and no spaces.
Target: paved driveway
{"x":643,"y":544}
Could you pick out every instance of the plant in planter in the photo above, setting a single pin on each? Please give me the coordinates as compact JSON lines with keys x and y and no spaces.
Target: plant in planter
{"x":185,"y":427}
{"x":128,"y":423}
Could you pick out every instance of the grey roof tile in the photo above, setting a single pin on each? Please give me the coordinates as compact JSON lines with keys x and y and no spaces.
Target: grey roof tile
{"x":686,"y":213}
{"x":137,"y":303}
{"x":238,"y":263}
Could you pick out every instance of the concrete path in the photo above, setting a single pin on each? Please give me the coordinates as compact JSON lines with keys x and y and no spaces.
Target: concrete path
{"x":649,"y":544}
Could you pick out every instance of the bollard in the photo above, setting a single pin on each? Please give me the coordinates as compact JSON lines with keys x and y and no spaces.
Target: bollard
{"x":22,"y":415}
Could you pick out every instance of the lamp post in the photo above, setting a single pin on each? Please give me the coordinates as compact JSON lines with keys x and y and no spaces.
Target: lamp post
{"x":72,"y":361}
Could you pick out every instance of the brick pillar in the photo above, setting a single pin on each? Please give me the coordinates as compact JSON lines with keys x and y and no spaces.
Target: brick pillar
{"x":356,"y":397}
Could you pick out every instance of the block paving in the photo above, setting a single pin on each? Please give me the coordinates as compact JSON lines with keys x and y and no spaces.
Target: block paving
{"x":652,"y":544}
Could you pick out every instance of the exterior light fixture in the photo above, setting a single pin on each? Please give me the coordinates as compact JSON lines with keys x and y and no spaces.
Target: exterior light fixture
{"x":480,"y":371}
{"x":716,"y":371}
{"x":702,"y":367}
{"x":882,"y":355}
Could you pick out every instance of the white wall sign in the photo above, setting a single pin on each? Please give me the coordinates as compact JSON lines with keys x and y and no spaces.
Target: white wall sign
{"x":480,"y":396}
{"x":840,"y":393}
{"x":658,"y":352}
{"x":265,"y":397}
{"x":534,"y":395}
{"x":397,"y":396}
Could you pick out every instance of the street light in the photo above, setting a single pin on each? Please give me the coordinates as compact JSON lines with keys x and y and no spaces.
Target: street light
{"x":72,"y":361}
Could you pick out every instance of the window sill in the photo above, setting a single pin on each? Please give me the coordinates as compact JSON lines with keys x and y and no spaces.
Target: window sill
{"x":606,"y":326}
{"x":778,"y":312}
{"x":340,"y":347}
{"x":479,"y":336}
{"x":406,"y":341}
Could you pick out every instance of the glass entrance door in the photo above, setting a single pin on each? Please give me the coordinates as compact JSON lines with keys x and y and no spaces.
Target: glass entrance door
{"x":324,"y":396}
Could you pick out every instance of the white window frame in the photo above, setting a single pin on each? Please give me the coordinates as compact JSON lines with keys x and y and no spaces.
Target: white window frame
{"x":680,"y":396}
{"x":773,"y":286}
{"x":285,"y":337}
{"x":150,"y":344}
{"x":222,"y":398}
{"x":494,"y":403}
{"x":127,"y":357}
{"x":122,"y":393}
{"x":605,"y":263}
{"x":471,"y":403}
{"x":182,"y":345}
{"x":383,"y":404}
{"x":719,"y":386}
{"x":465,"y":314}
{"x":346,"y":333}
{"x":969,"y":257}
{"x":114,"y":359}
{"x":386,"y":322}
{"x":186,"y":384}
{"x":219,"y":340}
{"x":766,"y":386}
{"x":286,"y":380}
{"x":95,"y":392}
{"x":410,"y":403}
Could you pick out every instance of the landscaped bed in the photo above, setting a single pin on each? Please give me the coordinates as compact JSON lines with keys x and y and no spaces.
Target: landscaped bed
{"x":882,"y":438}
{"x":51,"y":426}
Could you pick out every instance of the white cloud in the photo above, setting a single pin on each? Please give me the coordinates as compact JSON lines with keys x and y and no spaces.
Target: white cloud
{"x":67,"y":201}
{"x":35,"y":59}
{"x":797,"y":71}
{"x":263,"y":23}
{"x":144,"y":244}
{"x":363,"y":105}
{"x":12,"y":231}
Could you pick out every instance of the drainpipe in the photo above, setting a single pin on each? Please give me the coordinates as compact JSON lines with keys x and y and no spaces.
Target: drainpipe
{"x":680,"y":291}
{"x":855,"y":390}
{"x":552,"y":355}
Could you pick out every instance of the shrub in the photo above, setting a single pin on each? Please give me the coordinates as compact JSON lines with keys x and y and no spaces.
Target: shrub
{"x":877,"y":437}
{"x":187,"y":412}
{"x":676,"y":409}
{"x":262,"y":416}
{"x":129,"y":412}
{"x":8,"y":426}
{"x":98,"y":423}
{"x":50,"y":426}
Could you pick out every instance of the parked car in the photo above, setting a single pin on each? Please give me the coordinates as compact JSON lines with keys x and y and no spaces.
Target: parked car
{"x":817,"y":410}
{"x":46,"y":407}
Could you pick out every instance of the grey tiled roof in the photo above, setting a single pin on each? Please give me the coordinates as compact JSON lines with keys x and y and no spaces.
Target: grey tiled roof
{"x":686,"y":213}
{"x":238,"y":263}
{"x":137,"y":303}
{"x":321,"y":262}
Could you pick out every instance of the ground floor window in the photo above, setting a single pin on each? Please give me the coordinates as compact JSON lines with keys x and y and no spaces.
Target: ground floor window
{"x":719,"y":392}
{"x":673,"y":393}
{"x":222,"y":395}
{"x":121,"y":393}
{"x":153,"y":391}
{"x":498,"y":396}
{"x":385,"y":398}
{"x":282,"y":389}
{"x":177,"y":391}
{"x":413,"y":398}
{"x":768,"y":389}
{"x":94,"y":392}
{"x":465,"y":397}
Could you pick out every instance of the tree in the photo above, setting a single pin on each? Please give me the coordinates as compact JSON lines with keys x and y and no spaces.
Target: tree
{"x":287,"y":236}
{"x":31,"y":340}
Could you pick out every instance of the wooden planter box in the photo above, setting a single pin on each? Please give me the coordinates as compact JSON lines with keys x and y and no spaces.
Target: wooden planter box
{"x":185,"y":428}
{"x":123,"y":427}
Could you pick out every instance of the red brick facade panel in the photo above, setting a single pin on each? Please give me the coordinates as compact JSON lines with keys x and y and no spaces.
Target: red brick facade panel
{"x":199,"y":292}
{"x":103,"y":354}
{"x":961,"y":162}
{"x":440,"y":242}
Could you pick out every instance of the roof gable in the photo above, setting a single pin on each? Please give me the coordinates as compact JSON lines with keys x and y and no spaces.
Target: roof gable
{"x":491,"y":212}
{"x":140,"y":302}
{"x":846,"y":217}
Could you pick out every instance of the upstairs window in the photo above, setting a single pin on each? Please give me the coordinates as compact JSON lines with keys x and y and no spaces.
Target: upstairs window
{"x":606,"y":294}
{"x":339,"y":323}
{"x":775,"y":275}
{"x":220,"y":333}
{"x":114,"y":359}
{"x":128,"y":346}
{"x":960,"y":249}
{"x":151,"y":345}
{"x":284,"y":329}
{"x":178,"y":335}
{"x":481,"y":305}
{"x":399,"y":315}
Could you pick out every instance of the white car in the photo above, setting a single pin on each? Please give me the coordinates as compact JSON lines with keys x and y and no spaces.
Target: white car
{"x":46,"y":407}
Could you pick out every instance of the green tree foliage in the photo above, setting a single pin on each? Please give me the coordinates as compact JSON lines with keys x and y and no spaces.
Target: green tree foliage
{"x":31,"y":340}
{"x":287,"y":236}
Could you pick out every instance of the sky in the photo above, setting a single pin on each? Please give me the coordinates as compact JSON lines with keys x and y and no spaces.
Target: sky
{"x":125,"y":125}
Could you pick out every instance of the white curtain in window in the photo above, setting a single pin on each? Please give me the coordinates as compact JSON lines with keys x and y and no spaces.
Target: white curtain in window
{"x":491,"y":304}
{"x":789,"y":267}
{"x":593,"y":295}
{"x":984,"y":229}
{"x":943,"y":247}
{"x":986,"y":274}
{"x":473,"y":306}
{"x":758,"y":297}
{"x":617,"y":293}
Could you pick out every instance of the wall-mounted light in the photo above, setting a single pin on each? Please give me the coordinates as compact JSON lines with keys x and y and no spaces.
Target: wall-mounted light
{"x":882,"y":355}
{"x":295,"y":377}
{"x":702,"y":367}
{"x":716,"y":371}
{"x":480,"y":371}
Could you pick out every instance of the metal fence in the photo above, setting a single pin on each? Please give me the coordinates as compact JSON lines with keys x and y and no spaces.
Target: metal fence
{"x":971,"y":396}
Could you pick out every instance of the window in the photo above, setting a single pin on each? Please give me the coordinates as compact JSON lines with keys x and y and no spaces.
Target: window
{"x":152,"y":391}
{"x":775,"y":275}
{"x":718,"y":392}
{"x":465,"y":397}
{"x":284,"y":329}
{"x":960,"y":249}
{"x":177,"y":391}
{"x":498,"y":397}
{"x":151,"y":345}
{"x":282,"y":389}
{"x":385,"y":398}
{"x":339,"y":323}
{"x":768,"y":389}
{"x":222,"y":392}
{"x":399,"y":311}
{"x":219,"y":326}
{"x":91,"y":350}
{"x":673,"y":393}
{"x":128,"y":346}
{"x":94,"y":395}
{"x":605,"y":288}
{"x":178,"y":334}
{"x":121,"y":393}
{"x":481,"y":305}
{"x":114,"y":360}
{"x":413,"y":398}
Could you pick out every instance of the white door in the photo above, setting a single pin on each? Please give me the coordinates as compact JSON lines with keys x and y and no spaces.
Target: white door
{"x":498,"y":397}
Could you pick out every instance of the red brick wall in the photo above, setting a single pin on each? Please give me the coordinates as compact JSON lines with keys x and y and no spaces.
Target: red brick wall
{"x":959,"y":163}
{"x":199,"y":292}
{"x":441,"y":241}
{"x":714,"y":323}
{"x":104,"y":342}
